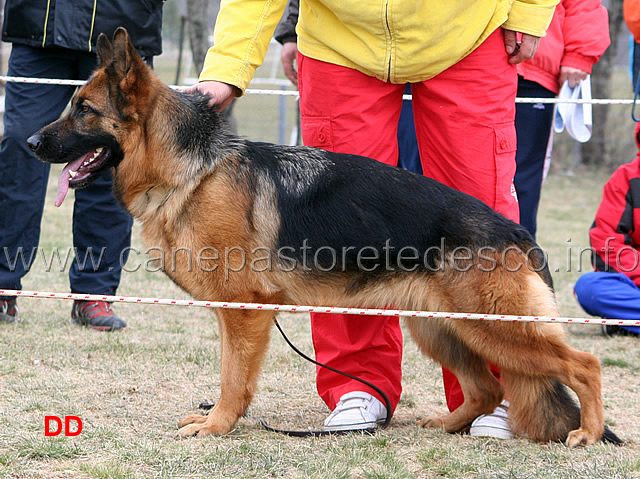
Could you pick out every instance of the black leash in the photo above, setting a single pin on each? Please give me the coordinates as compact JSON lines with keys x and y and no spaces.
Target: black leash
{"x":311,"y":433}
{"x":635,"y":98}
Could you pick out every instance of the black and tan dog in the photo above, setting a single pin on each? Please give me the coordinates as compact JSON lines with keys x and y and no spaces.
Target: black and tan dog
{"x":304,"y":226}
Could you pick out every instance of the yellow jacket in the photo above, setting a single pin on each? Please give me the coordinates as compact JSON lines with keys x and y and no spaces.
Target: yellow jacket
{"x":398,"y":41}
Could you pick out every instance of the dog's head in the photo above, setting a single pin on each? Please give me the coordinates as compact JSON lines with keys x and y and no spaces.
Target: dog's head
{"x":104,"y":116}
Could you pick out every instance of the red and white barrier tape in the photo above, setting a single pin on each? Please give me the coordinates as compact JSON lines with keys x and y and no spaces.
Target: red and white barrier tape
{"x":316,"y":309}
{"x":253,"y":91}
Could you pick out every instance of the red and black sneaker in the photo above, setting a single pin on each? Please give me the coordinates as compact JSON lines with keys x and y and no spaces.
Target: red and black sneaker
{"x":97,"y":315}
{"x":8,"y":310}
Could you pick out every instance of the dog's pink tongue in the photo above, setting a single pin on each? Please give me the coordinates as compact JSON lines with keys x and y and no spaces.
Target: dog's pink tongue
{"x":63,"y":179}
{"x":63,"y":185}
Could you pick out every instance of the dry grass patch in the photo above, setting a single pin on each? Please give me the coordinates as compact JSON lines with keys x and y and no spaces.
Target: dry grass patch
{"x":131,"y":388}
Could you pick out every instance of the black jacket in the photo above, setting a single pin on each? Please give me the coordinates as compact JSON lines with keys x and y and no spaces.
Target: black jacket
{"x":286,"y":30}
{"x":74,"y":24}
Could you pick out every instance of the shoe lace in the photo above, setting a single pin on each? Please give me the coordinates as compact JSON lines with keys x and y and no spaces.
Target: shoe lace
{"x":352,"y":403}
{"x":96,"y":308}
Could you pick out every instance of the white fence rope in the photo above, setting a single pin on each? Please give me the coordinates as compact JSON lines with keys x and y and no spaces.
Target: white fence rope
{"x":253,"y":91}
{"x":288,"y":308}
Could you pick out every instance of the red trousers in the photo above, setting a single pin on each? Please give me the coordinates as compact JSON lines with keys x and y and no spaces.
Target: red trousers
{"x":464,"y":120}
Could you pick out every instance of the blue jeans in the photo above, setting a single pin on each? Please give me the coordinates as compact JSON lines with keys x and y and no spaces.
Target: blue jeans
{"x":609,"y":295}
{"x":100,"y":225}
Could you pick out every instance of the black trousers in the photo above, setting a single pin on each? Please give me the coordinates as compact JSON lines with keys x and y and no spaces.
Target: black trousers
{"x":101,"y":227}
{"x":533,"y":127}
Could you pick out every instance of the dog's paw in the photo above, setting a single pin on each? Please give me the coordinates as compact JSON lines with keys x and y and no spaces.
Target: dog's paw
{"x":190,"y":430}
{"x":580,"y":437}
{"x":192,"y":419}
{"x":203,"y":426}
{"x":434,"y":422}
{"x":200,"y":431}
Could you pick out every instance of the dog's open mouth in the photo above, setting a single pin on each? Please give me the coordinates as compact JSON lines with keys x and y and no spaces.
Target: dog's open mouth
{"x":78,"y":172}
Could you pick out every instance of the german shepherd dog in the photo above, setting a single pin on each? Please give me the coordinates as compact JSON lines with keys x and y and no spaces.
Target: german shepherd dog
{"x":195,"y":186}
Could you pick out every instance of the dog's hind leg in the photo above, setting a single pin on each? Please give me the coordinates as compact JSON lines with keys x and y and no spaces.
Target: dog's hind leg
{"x":482,"y":391}
{"x":244,"y":337}
{"x":532,"y":357}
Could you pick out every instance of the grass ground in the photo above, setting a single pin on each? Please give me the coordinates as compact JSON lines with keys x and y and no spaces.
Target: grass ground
{"x":131,"y":388}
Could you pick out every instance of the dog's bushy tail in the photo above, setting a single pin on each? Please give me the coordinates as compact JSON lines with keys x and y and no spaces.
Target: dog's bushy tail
{"x":543,"y":410}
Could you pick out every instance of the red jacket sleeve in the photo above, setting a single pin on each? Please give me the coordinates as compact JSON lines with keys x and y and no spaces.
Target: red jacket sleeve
{"x":613,"y":234}
{"x":586,"y":33}
{"x":631,"y":10}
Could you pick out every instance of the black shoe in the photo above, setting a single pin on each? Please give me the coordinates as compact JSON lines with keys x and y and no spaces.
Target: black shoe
{"x":8,"y":310}
{"x":611,"y":330}
{"x":97,"y":315}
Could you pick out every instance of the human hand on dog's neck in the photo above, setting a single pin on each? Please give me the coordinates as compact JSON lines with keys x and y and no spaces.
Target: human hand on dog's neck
{"x":220,"y":94}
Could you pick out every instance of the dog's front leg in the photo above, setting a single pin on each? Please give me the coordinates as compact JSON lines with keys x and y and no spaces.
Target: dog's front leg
{"x":244,"y":338}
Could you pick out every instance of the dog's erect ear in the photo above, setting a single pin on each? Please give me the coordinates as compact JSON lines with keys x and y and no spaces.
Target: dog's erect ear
{"x":105,"y":50}
{"x":124,"y":54}
{"x":127,"y":64}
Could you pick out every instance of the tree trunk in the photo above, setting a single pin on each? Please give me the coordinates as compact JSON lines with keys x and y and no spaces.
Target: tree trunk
{"x":594,"y":152}
{"x":198,"y":30}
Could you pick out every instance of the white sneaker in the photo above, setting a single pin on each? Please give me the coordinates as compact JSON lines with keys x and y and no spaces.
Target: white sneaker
{"x":356,"y":410}
{"x":493,"y":425}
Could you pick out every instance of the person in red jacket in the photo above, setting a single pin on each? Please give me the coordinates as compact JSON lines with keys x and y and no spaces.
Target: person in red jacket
{"x":613,"y":289}
{"x":575,"y":41}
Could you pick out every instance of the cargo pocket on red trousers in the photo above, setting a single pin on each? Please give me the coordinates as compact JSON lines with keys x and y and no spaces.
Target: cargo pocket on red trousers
{"x":506,"y":201}
{"x":317,"y":132}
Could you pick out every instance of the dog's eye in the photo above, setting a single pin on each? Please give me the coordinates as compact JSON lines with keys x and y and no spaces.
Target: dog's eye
{"x":84,"y":109}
